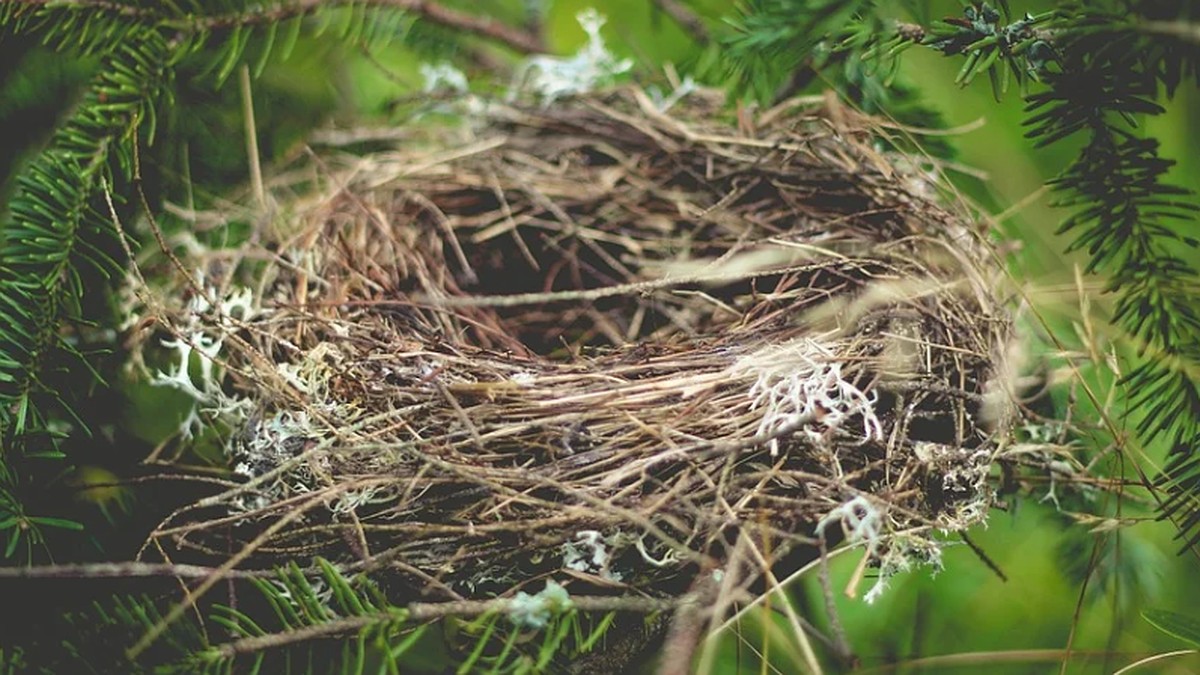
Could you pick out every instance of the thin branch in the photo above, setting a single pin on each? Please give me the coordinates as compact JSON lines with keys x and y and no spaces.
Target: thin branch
{"x":686,"y":18}
{"x":125,"y":570}
{"x":687,"y":627}
{"x":480,"y":25}
{"x":483,"y":26}
{"x":426,"y":611}
{"x":983,"y":557}
{"x":590,"y":294}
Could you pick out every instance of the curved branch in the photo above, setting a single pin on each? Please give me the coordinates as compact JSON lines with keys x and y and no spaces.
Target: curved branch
{"x":484,"y":26}
{"x":423,"y":611}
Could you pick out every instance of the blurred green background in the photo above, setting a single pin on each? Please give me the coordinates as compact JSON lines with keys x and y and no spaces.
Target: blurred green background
{"x":1064,"y":586}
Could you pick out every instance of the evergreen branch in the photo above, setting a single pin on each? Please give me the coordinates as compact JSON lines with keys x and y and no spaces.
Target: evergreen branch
{"x":256,"y":15}
{"x":51,"y":220}
{"x":774,"y":54}
{"x":332,"y":605}
{"x":1102,"y":72}
{"x":55,"y":234}
{"x":429,"y":611}
{"x":315,"y":614}
{"x":1107,"y":76}
{"x":772,"y":39}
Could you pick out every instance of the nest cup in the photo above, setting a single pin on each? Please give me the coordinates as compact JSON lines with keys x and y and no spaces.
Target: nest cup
{"x":605,"y":345}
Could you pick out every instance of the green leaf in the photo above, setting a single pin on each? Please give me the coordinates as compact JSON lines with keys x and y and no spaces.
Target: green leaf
{"x":598,"y":633}
{"x":289,"y":38}
{"x":46,"y":454}
{"x":56,"y":522}
{"x":234,"y":48}
{"x":407,"y":643}
{"x":267,"y":46}
{"x":1185,"y":628}
{"x":480,"y":645}
{"x":13,"y":539}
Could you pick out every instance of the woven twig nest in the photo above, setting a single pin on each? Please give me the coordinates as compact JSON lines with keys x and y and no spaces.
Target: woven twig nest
{"x":600,"y":344}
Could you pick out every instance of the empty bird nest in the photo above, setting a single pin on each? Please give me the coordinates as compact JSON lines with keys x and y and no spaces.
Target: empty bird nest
{"x":594,"y":346}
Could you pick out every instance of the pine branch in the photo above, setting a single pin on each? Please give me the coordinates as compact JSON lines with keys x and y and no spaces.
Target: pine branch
{"x":257,"y":15}
{"x":1102,"y":72}
{"x":53,"y":234}
{"x":780,"y":48}
{"x":56,"y":234}
{"x":423,"y":612}
{"x":52,"y":218}
{"x":1127,"y":220}
{"x":314,"y":614}
{"x":773,"y":38}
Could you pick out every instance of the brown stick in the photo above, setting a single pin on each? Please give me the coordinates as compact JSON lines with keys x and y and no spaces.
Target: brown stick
{"x":125,"y":570}
{"x":686,"y":19}
{"x":688,"y":626}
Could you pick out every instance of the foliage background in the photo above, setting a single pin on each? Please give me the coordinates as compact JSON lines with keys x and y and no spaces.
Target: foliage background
{"x":1057,"y":593}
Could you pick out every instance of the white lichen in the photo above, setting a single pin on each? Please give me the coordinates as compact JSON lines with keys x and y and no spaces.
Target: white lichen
{"x":902,"y":554}
{"x":964,"y":481}
{"x":180,"y":375}
{"x":551,"y":78}
{"x":668,"y":558}
{"x":1057,"y":470}
{"x":802,"y":380}
{"x":861,"y":522}
{"x":589,"y":552}
{"x":664,"y":102}
{"x":351,"y":500}
{"x":442,"y":77}
{"x":280,"y":445}
{"x":524,"y":378}
{"x":209,"y":316}
{"x":311,"y":376}
{"x":269,"y":443}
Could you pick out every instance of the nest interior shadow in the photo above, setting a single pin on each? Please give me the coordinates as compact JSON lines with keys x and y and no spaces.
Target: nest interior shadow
{"x":602,"y":344}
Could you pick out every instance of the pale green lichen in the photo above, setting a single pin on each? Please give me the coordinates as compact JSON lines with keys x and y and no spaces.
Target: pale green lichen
{"x":210,"y":316}
{"x":535,"y":611}
{"x":591,"y":552}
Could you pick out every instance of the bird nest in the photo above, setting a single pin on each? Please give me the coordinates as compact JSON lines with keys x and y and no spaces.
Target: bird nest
{"x":595,"y":344}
